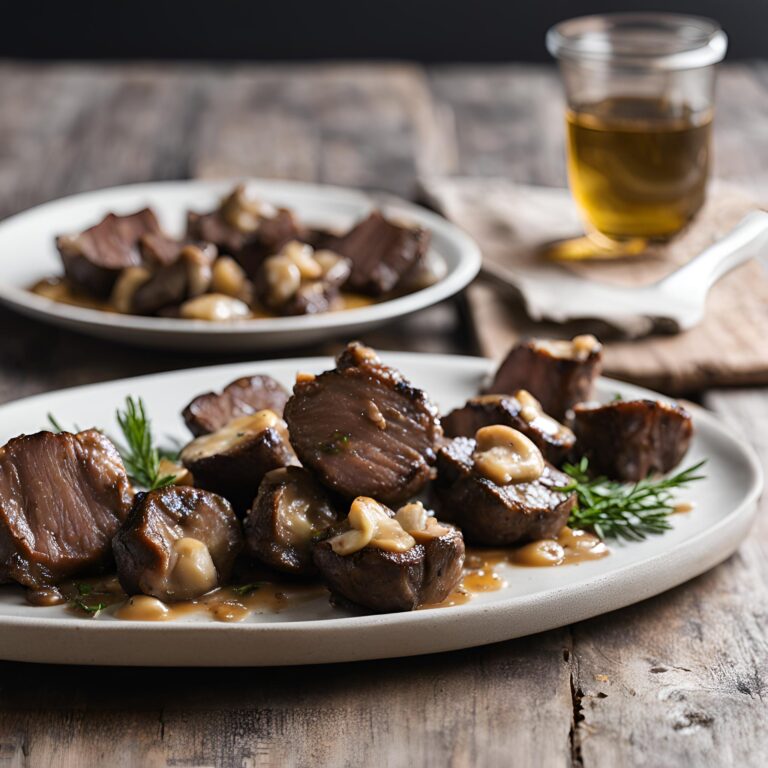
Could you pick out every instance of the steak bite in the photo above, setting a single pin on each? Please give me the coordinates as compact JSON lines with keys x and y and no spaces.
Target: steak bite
{"x":522,"y":412}
{"x":289,"y":511}
{"x":188,"y":276}
{"x":177,"y":544}
{"x":233,"y":460}
{"x":62,"y":497}
{"x":363,"y":428}
{"x":631,"y":439}
{"x":381,"y":252}
{"x":242,"y":397}
{"x":497,"y":501}
{"x":558,"y":373}
{"x":371,"y":560}
{"x":246,"y":228}
{"x":94,"y":258}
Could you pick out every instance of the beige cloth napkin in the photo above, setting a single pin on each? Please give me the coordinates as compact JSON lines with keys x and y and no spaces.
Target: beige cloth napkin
{"x":512,"y":222}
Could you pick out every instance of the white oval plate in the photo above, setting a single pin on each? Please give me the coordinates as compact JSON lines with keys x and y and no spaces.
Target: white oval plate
{"x":29,"y":254}
{"x":535,"y":599}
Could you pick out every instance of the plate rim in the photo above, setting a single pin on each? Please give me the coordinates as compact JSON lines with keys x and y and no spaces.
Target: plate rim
{"x":436,"y":617}
{"x":467,"y":268}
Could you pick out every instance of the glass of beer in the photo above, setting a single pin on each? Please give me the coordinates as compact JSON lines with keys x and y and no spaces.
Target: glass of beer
{"x":639,"y":91}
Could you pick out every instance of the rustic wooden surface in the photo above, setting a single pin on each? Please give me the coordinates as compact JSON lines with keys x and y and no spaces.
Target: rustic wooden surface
{"x":677,"y":680}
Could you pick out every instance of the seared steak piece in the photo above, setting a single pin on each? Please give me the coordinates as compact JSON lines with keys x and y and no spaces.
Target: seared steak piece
{"x":630,"y":439}
{"x":520,"y":411}
{"x":62,"y":497}
{"x":168,"y":286}
{"x":363,"y":428}
{"x":370,"y":560}
{"x":494,"y":514}
{"x":245,"y":228}
{"x":558,"y":373}
{"x":94,"y":258}
{"x":290,"y":510}
{"x":381,"y":252}
{"x":243,"y":397}
{"x":233,"y":460}
{"x":177,"y":544}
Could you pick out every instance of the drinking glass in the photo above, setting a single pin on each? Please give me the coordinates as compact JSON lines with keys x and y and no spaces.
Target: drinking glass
{"x":639,"y":91}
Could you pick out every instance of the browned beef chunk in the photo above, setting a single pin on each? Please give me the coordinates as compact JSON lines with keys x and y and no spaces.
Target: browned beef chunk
{"x":233,"y":460}
{"x":245,"y":228}
{"x":290,"y":510}
{"x":522,"y":412}
{"x":558,"y":373}
{"x":381,"y":252}
{"x":630,"y":439}
{"x":62,"y":497}
{"x":243,"y":397}
{"x":498,"y":515}
{"x":364,"y":429}
{"x":94,"y":258}
{"x":273,"y":233}
{"x":159,"y":250}
{"x":177,"y":544}
{"x":188,"y":276}
{"x":398,"y":569}
{"x":373,"y":578}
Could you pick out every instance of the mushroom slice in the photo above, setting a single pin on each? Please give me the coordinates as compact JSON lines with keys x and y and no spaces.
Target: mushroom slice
{"x":233,"y":460}
{"x":289,"y":511}
{"x":177,"y":544}
{"x":370,"y":560}
{"x":498,"y":513}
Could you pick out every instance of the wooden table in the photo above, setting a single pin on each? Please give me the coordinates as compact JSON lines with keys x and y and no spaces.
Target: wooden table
{"x":677,"y":680}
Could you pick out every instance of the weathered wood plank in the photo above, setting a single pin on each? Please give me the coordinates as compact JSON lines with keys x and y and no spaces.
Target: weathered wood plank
{"x":681,"y":679}
{"x":496,"y":706}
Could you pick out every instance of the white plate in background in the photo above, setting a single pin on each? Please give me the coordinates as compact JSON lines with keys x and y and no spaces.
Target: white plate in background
{"x":28,"y":253}
{"x":535,"y":599}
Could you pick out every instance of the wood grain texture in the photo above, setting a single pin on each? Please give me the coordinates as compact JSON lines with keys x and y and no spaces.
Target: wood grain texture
{"x":677,"y":680}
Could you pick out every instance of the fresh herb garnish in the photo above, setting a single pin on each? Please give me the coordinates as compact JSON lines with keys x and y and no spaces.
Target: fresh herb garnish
{"x":84,"y":589}
{"x":140,"y":455}
{"x":338,"y":442}
{"x":617,"y":397}
{"x":55,"y":424}
{"x":615,"y":510}
{"x":92,"y":609}
{"x":246,"y":589}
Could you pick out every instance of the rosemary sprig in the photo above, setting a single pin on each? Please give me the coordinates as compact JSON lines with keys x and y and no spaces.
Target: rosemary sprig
{"x":616,"y":510}
{"x":140,"y":455}
{"x":246,"y":589}
{"x":94,"y":610}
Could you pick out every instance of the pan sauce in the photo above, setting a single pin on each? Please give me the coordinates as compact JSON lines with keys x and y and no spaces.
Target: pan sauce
{"x":234,"y":604}
{"x":60,"y":290}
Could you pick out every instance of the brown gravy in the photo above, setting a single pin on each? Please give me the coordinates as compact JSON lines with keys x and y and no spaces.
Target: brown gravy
{"x":88,"y":597}
{"x":61,"y":290}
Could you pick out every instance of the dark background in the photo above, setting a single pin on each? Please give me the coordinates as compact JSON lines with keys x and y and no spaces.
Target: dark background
{"x":421,"y":30}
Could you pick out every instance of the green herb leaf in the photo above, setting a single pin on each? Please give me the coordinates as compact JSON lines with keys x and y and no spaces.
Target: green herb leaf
{"x":92,"y":609}
{"x":84,"y":589}
{"x":55,"y":424}
{"x":140,"y":455}
{"x":615,"y":510}
{"x":246,"y":589}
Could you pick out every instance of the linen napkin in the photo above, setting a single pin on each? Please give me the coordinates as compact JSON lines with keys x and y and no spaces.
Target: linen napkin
{"x":511,"y":223}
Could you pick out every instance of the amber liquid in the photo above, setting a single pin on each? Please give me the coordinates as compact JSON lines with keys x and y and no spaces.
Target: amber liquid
{"x":638,"y":167}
